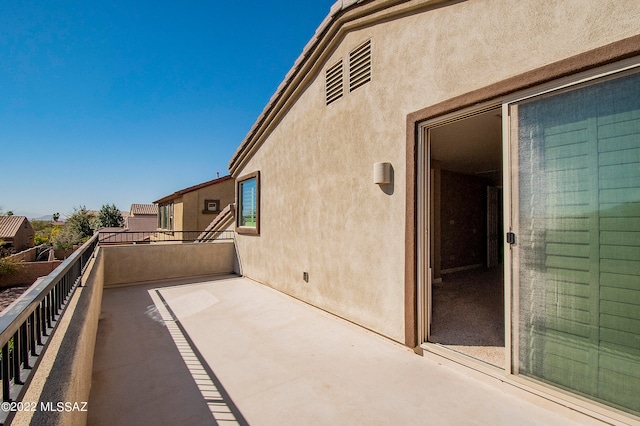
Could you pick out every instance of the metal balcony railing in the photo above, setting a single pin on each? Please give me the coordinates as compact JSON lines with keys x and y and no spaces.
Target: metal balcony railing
{"x":25,"y":327}
{"x":160,"y":236}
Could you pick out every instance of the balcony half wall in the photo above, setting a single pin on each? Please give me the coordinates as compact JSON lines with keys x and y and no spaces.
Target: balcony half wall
{"x":65,"y":368}
{"x":127,"y":264}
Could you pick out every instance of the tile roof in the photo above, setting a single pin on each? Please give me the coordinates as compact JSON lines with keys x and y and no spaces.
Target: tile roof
{"x":192,"y":188}
{"x":9,"y":225}
{"x":144,"y":209}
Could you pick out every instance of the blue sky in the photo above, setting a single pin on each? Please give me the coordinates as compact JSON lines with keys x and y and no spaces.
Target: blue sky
{"x":128,"y":101}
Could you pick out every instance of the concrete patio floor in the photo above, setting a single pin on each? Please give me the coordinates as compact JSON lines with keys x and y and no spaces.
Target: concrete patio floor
{"x":228,"y":350}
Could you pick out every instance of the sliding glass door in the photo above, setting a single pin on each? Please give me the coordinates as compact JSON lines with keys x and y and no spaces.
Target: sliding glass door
{"x":575,"y":191}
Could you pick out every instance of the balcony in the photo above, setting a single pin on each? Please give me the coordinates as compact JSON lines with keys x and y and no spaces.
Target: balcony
{"x":170,"y":334}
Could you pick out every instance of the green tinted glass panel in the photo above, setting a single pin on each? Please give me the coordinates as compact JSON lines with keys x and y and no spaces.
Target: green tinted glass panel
{"x":578,"y":254}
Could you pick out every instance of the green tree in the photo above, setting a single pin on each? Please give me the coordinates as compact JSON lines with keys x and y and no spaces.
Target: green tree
{"x":81,"y":222}
{"x":66,"y":238}
{"x":110,"y":217}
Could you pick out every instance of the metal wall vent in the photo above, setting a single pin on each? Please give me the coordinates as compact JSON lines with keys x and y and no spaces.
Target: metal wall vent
{"x":360,"y":66}
{"x":334,"y":83}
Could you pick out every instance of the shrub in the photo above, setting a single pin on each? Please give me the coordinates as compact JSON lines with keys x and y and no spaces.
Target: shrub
{"x":3,"y":250}
{"x":9,"y":266}
{"x":39,"y":239}
{"x":66,"y":239}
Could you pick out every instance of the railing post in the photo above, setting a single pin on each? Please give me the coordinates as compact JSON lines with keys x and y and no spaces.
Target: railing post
{"x":5,"y":372}
{"x":43,"y":317}
{"x":32,"y":333}
{"x":48,"y":310}
{"x":16,"y":359}
{"x":24,"y":349}
{"x":78,"y":279}
{"x":38,"y":325}
{"x":54,"y":300}
{"x":61,"y":295}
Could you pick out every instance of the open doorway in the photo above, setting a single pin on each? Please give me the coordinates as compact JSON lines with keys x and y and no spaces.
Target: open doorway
{"x":466,"y":244}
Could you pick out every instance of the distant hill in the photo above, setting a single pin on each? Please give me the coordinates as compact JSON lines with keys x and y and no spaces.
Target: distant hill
{"x":47,"y":218}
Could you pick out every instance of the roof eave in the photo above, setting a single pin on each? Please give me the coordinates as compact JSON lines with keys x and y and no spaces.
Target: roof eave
{"x":331,"y":29}
{"x":181,"y":192}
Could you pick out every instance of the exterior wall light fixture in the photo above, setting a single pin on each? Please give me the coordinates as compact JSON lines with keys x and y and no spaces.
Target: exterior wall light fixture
{"x":382,"y":173}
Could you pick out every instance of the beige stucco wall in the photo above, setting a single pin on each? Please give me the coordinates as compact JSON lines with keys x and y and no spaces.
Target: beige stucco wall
{"x":143,"y":263}
{"x":178,"y":214}
{"x":30,"y":272}
{"x":190,"y":207}
{"x":321,"y":212}
{"x":28,"y":255}
{"x":193,"y":218}
{"x":23,"y":238}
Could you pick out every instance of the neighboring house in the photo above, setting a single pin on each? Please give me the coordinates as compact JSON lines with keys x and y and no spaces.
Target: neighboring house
{"x":194,"y":208}
{"x":410,"y":136}
{"x":16,"y":232}
{"x":139,"y":225}
{"x":142,"y":218}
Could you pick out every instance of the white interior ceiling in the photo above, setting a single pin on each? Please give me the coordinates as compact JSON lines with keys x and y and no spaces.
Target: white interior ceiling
{"x":471,"y":146}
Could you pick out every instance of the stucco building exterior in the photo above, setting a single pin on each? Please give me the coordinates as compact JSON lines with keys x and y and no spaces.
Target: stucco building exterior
{"x":16,"y":232}
{"x":417,"y":145}
{"x":142,"y":217}
{"x":195,"y":207}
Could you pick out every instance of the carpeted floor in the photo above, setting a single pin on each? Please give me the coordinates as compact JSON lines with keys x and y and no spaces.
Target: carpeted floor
{"x":468,"y":314}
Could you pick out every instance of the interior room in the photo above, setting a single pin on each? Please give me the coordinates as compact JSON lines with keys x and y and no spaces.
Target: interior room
{"x":466,"y":244}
